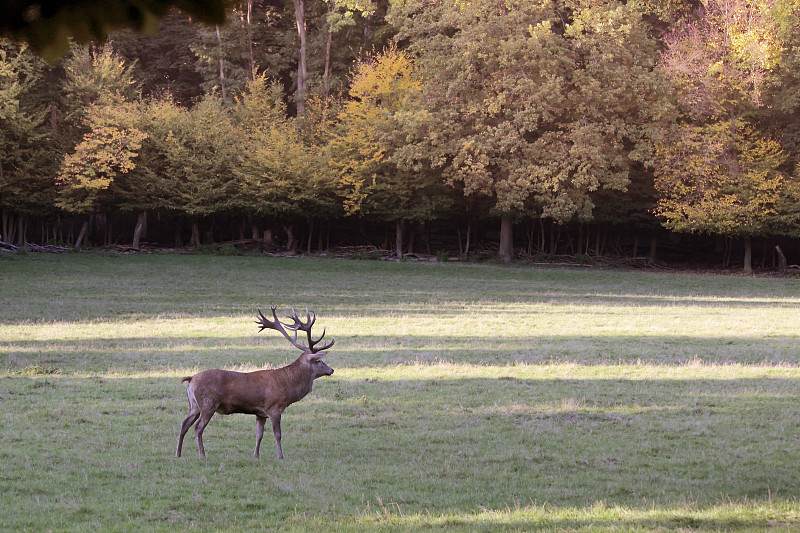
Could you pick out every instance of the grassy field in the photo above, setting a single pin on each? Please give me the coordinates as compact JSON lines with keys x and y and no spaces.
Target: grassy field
{"x":465,"y":398}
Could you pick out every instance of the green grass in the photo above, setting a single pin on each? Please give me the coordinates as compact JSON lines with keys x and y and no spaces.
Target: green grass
{"x":465,"y":398}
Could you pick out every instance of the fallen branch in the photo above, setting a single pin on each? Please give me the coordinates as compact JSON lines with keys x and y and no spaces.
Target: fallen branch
{"x":31,"y":247}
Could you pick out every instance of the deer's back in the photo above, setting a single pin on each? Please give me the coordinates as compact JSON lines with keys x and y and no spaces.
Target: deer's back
{"x":229,"y":392}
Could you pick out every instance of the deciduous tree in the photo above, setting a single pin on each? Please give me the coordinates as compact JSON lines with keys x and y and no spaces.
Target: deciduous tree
{"x":718,"y":169}
{"x":201,"y":151}
{"x":529,"y":101}
{"x":369,"y":181}
{"x":101,"y":97}
{"x":26,"y":155}
{"x":283,"y":176}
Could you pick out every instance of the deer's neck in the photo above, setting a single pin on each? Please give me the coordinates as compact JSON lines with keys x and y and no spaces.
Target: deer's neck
{"x":298,"y":378}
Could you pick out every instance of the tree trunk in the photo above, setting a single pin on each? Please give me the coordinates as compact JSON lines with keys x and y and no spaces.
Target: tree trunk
{"x":781,"y":259}
{"x":327,"y":72}
{"x":398,"y":237}
{"x":289,"y":237}
{"x":194,"y":241}
{"x":137,"y":232}
{"x":6,"y":234}
{"x":506,"y":238}
{"x":22,"y":225}
{"x":109,"y":225}
{"x":82,"y":234}
{"x":221,"y":68}
{"x":310,"y":235}
{"x":428,"y":238}
{"x":251,"y":59}
{"x":748,"y":255}
{"x":469,"y":231}
{"x":597,"y":242}
{"x":302,"y":71}
{"x":726,"y":257}
{"x":653,"y":249}
{"x":178,"y":233}
{"x":58,"y":231}
{"x":255,"y":234}
{"x":555,"y":236}
{"x":210,"y":234}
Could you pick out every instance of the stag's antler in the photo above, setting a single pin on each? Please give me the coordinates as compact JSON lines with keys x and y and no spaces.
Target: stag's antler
{"x":311,"y":317}
{"x":298,"y":325}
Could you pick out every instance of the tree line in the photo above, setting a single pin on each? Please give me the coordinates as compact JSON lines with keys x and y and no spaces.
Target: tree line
{"x":544,"y":119}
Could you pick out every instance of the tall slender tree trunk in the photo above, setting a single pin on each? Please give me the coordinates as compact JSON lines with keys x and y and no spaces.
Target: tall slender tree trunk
{"x":310,"y":235}
{"x":179,"y":233}
{"x":289,"y":236}
{"x":137,"y":232}
{"x":463,"y":251}
{"x":469,"y":234}
{"x":726,"y":258}
{"x":748,"y":255}
{"x":781,"y":259}
{"x":327,"y":72}
{"x":221,"y":68}
{"x":109,"y":226}
{"x":506,"y":238}
{"x":398,"y":237}
{"x":195,"y":239}
{"x":82,"y":234}
{"x":4,"y":230}
{"x":249,"y":26}
{"x":653,"y":249}
{"x":302,"y":70}
{"x":22,"y":225}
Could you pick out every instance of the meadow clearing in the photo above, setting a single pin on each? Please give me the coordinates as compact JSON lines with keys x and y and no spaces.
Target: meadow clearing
{"x":465,"y":397}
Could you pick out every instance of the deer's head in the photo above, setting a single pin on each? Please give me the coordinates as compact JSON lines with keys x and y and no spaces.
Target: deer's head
{"x":312,"y":354}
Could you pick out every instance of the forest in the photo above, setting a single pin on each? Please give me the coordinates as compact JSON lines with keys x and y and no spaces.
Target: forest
{"x":508,"y":128}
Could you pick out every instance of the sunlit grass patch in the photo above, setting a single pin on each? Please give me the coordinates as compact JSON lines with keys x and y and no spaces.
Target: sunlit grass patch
{"x":389,"y":516}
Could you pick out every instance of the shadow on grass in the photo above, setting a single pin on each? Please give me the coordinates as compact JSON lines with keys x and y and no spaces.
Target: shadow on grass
{"x":375,"y":302}
{"x":115,"y":354}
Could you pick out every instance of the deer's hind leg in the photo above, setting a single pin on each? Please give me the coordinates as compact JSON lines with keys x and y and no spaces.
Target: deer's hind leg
{"x":191,"y":418}
{"x":275,"y":418}
{"x":194,"y":414}
{"x":260,"y":421}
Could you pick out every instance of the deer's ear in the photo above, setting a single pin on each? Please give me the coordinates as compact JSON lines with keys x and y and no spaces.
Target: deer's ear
{"x":318,"y":356}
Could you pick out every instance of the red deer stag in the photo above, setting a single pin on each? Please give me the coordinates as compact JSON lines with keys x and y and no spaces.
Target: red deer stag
{"x":264,"y":393}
